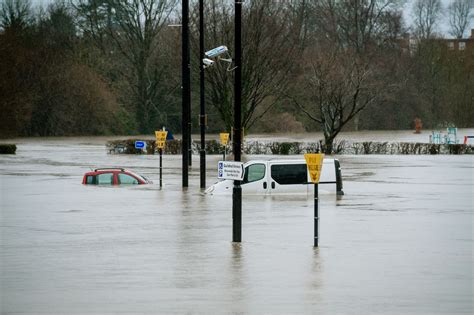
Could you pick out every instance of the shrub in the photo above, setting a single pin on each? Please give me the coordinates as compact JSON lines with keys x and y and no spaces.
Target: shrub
{"x":7,"y":148}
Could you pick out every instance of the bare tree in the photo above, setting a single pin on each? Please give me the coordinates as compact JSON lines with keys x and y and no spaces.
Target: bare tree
{"x":269,"y":45}
{"x":426,"y":15}
{"x":460,"y":14}
{"x":339,"y":86}
{"x":357,"y":24}
{"x":131,"y":28}
{"x":15,"y":14}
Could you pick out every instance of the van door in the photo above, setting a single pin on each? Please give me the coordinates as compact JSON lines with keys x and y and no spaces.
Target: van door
{"x":288,"y":178}
{"x":255,"y":179}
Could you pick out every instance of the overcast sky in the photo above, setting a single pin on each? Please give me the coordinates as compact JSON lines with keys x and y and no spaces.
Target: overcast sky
{"x":443,"y":26}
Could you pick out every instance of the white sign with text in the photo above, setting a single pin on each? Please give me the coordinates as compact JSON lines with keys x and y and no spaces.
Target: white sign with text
{"x":230,"y":170}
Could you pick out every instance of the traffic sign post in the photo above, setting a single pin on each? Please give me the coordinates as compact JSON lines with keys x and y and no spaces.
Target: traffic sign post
{"x":224,"y":137}
{"x":161,"y":166}
{"x":237,"y":139}
{"x":160,"y":144}
{"x":314,"y":163}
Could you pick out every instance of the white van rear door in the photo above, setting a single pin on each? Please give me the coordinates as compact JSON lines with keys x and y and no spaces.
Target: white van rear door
{"x":288,"y":178}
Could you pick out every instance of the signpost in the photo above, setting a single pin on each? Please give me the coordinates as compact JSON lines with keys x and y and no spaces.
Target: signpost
{"x":160,"y":144}
{"x":237,"y":138}
{"x":230,"y":170}
{"x":224,"y":137}
{"x":315,"y":165}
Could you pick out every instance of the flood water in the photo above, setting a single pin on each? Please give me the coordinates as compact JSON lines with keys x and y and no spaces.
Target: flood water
{"x":399,"y":242}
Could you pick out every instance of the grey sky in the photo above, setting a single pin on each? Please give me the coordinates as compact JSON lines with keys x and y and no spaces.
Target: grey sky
{"x":443,"y":25}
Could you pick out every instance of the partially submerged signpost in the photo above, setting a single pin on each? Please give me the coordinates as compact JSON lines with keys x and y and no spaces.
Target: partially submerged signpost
{"x":160,"y":144}
{"x":224,"y":137}
{"x":315,"y":164}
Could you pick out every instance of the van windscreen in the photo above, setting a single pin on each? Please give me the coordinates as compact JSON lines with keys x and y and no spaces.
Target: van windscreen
{"x":289,"y":174}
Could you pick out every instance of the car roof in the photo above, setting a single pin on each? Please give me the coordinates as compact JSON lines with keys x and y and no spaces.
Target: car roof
{"x":109,"y":170}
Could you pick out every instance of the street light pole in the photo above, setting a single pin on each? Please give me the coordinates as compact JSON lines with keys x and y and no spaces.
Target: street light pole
{"x":202,"y":116}
{"x":186,"y":90}
{"x":237,"y":145}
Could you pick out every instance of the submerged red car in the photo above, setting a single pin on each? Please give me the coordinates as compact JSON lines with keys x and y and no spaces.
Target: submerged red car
{"x":114,"y":176}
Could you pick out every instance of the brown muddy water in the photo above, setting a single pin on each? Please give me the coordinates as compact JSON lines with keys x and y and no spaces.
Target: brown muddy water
{"x":399,"y":242}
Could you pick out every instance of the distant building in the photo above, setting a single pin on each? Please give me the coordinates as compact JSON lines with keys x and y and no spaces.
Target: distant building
{"x":461,"y":44}
{"x":409,"y":43}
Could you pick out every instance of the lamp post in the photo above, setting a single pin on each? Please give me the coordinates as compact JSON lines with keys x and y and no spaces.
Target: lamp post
{"x":186,"y":92}
{"x":236,"y":141}
{"x":202,"y":116}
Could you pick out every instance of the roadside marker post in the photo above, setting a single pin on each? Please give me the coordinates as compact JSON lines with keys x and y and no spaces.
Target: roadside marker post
{"x":224,"y":137}
{"x":314,"y":163}
{"x":160,"y":144}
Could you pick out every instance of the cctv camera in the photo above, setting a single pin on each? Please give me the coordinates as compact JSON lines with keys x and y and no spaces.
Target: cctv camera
{"x":216,"y":51}
{"x":207,"y":62}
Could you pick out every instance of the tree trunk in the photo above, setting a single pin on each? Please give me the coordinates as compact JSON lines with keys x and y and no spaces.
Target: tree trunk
{"x":328,"y":144}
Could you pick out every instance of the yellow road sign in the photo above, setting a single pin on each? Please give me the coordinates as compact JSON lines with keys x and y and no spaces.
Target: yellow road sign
{"x":160,"y":138}
{"x":224,"y":136}
{"x":315,"y":165}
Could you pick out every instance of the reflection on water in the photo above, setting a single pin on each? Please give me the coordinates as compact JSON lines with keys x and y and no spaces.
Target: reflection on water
{"x":399,"y":241}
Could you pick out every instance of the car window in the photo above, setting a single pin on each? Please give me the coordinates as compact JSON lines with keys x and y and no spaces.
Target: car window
{"x":105,"y":179}
{"x":127,"y":179}
{"x":253,"y":173}
{"x":289,"y":174}
{"x":90,"y":179}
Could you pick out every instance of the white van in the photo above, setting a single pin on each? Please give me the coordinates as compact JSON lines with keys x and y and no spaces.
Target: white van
{"x":282,"y":177}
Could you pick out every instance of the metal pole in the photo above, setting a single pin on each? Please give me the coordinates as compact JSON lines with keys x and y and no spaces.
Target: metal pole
{"x":190,"y":140}
{"x":224,"y":152}
{"x":316,"y":215}
{"x":202,"y":117}
{"x":237,"y":191}
{"x":161,"y":167}
{"x":186,"y":96}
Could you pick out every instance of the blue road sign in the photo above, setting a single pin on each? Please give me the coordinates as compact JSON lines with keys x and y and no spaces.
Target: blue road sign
{"x":140,"y":144}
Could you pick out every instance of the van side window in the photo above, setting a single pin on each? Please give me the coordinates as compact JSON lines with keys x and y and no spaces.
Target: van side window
{"x":253,"y":173}
{"x":289,"y":174}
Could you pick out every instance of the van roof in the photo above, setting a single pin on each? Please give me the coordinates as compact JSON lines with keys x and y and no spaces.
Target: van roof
{"x":286,"y":160}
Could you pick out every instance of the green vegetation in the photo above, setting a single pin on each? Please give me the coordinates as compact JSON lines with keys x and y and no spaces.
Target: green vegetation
{"x":7,"y":148}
